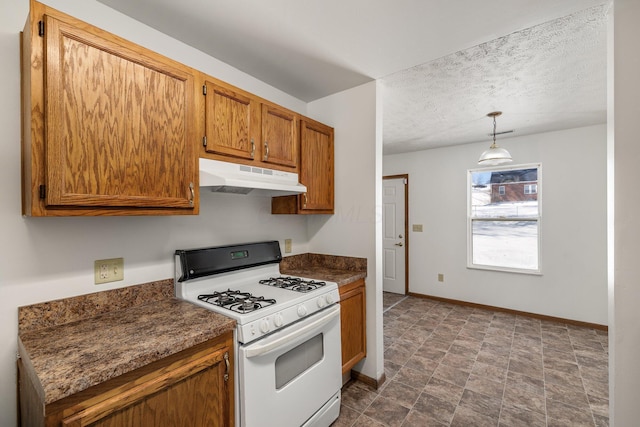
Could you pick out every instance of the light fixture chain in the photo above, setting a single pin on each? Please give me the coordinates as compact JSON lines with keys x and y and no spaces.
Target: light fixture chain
{"x":494,"y":130}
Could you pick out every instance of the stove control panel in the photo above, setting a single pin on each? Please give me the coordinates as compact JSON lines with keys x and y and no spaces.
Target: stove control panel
{"x":271,"y":322}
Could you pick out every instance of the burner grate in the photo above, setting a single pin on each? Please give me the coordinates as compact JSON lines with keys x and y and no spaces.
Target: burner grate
{"x":240,"y":302}
{"x":293,"y":283}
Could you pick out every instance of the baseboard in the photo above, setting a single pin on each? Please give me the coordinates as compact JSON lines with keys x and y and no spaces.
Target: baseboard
{"x":519,"y":313}
{"x":376,"y":384}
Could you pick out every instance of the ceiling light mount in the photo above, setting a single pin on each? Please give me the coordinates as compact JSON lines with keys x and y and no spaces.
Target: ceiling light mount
{"x":494,"y":155}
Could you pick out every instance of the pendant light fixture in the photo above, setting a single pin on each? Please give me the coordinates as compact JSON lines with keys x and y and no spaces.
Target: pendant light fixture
{"x":494,"y":155}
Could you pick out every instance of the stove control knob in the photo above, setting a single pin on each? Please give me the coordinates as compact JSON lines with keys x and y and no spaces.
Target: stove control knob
{"x":278,"y":320}
{"x":329,"y":299}
{"x":264,"y":326}
{"x":302,"y":311}
{"x":321,"y":302}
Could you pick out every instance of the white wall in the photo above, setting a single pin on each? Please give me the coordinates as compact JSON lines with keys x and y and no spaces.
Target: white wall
{"x":573,"y":247}
{"x":353,"y":229}
{"x":42,"y":259}
{"x":624,"y":339}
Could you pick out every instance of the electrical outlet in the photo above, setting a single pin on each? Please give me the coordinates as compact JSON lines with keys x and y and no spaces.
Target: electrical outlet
{"x":108,"y":270}
{"x":440,"y":277}
{"x":287,"y":246}
{"x":417,"y":227}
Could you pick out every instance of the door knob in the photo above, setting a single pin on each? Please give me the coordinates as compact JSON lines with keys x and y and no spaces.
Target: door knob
{"x":399,"y":236}
{"x":399,"y":244}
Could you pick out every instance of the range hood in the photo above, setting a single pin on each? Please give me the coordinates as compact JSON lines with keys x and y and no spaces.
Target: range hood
{"x":225,"y":177}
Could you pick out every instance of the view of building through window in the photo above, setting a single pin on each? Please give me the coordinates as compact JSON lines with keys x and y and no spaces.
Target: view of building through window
{"x":504,"y":218}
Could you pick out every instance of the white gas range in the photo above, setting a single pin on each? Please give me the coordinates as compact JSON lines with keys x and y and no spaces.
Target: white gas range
{"x":288,"y":354}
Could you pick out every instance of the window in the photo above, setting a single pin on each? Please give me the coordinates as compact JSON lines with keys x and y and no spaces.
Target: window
{"x":504,"y":218}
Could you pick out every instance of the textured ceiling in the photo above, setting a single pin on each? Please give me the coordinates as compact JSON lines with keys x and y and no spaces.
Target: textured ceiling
{"x":511,"y":55}
{"x":548,"y":77}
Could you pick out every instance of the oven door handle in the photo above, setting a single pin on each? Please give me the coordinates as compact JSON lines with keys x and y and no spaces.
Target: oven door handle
{"x":260,"y":349}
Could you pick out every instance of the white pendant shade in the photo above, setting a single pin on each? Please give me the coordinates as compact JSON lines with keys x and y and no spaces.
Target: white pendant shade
{"x":494,"y":155}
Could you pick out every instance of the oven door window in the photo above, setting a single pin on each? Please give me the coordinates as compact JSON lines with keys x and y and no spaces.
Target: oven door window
{"x":296,"y":361}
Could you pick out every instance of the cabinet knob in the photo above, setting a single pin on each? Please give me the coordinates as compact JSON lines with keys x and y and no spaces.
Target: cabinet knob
{"x":266,"y":150}
{"x":193,"y":194}
{"x":304,"y":200}
{"x":253,"y":148}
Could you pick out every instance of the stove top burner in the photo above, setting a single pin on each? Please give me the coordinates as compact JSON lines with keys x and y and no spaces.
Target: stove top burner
{"x":240,"y":302}
{"x":293,"y":283}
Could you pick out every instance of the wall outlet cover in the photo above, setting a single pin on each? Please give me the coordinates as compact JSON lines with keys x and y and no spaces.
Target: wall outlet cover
{"x":108,"y":270}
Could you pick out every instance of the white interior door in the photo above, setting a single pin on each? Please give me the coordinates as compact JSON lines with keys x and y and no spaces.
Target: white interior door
{"x":394,"y":243}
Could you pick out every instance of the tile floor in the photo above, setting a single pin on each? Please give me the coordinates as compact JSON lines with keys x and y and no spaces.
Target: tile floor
{"x":451,"y":365}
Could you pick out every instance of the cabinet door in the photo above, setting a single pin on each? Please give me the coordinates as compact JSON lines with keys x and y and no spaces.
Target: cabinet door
{"x":353,"y":324}
{"x":195,"y":393}
{"x":118,"y":123}
{"x":316,"y":167}
{"x":279,"y":136}
{"x":231,"y":119}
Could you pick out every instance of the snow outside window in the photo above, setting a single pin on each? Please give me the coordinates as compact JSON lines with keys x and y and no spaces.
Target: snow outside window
{"x":504,"y":218}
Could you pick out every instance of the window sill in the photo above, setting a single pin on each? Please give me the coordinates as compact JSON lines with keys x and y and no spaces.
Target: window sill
{"x":505,"y":270}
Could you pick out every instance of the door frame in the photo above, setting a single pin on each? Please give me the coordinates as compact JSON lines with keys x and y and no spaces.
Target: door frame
{"x":406,"y":227}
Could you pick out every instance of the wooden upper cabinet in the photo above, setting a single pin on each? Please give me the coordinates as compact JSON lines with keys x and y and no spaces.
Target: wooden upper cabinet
{"x":316,"y":168}
{"x":279,"y":136}
{"x":243,"y":128}
{"x":108,"y":125}
{"x":316,"y":173}
{"x":231,"y":121}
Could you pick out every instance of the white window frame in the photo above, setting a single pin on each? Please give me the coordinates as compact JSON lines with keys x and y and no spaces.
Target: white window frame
{"x":533,"y":189}
{"x":470,"y":220}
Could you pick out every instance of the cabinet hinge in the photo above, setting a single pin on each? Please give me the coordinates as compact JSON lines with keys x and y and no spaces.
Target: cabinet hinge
{"x":43,"y":191}
{"x":41,"y":28}
{"x":204,"y":141}
{"x":204,"y":90}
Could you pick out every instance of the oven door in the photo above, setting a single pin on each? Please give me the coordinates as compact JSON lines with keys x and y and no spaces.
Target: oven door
{"x":286,"y":377}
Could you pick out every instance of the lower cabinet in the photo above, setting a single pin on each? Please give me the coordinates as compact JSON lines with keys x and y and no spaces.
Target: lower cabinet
{"x":191,"y":388}
{"x":353,"y":324}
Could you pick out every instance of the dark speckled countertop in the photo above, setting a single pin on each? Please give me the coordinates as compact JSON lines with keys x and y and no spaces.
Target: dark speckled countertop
{"x":333,"y":268}
{"x":70,"y":357}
